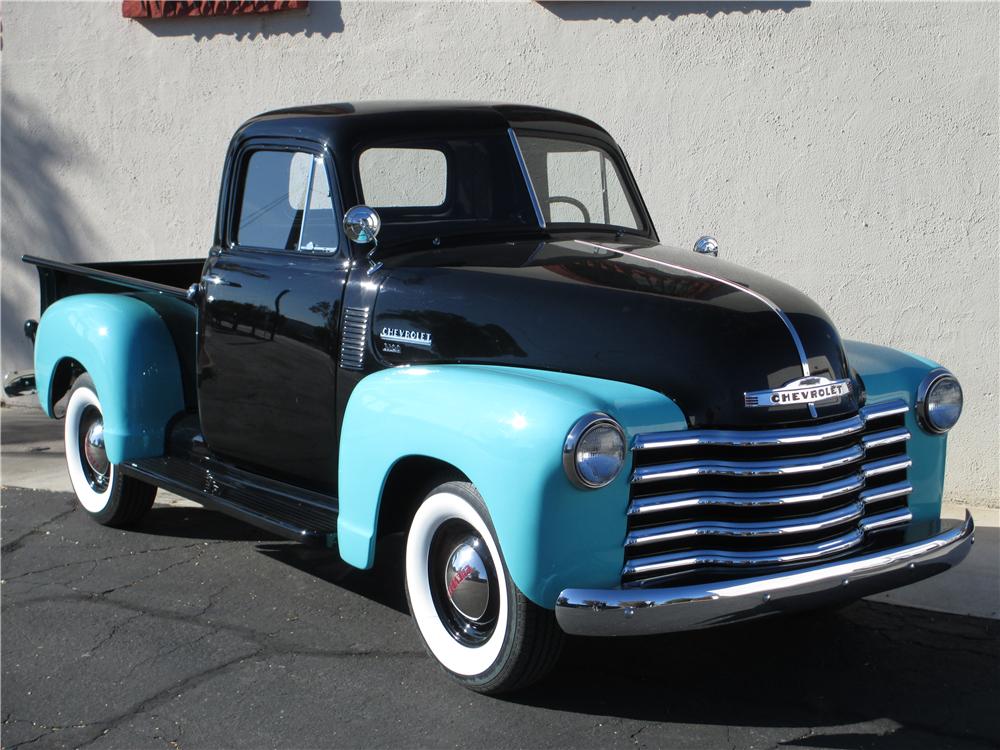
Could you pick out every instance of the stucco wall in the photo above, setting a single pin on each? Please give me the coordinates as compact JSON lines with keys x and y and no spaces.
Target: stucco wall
{"x":851,"y":150}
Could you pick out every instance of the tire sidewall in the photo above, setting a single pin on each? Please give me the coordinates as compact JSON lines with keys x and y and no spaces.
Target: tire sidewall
{"x":473,"y":666}
{"x":100,"y":505}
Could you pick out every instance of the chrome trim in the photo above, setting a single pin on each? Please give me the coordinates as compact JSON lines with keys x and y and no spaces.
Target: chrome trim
{"x":467,"y":579}
{"x":889,"y":491}
{"x":885,"y":409}
{"x":886,"y":437}
{"x":746,"y":499}
{"x":745,"y":438}
{"x":803,"y":359}
{"x":778,"y":467}
{"x":582,"y":425}
{"x":786,"y":436}
{"x":707,"y":245}
{"x":814,"y":389}
{"x":644,"y":611}
{"x":897,"y":517}
{"x":675,"y":531}
{"x":929,"y":381}
{"x":527,"y":178}
{"x":725,"y":558}
{"x":353,"y":338}
{"x":885,"y":465}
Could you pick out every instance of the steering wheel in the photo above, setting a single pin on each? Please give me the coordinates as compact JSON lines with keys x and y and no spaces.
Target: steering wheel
{"x":573,"y":202}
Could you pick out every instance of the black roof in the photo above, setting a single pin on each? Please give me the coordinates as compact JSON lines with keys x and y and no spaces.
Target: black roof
{"x":347,"y":121}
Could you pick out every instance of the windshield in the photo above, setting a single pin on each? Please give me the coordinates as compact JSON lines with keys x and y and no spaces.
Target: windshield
{"x":577,"y":183}
{"x":462,"y":184}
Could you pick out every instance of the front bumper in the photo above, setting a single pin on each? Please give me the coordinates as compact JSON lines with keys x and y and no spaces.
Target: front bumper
{"x":642,"y":611}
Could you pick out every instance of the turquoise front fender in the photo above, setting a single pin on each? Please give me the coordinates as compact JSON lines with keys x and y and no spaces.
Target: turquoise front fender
{"x":890,"y":374}
{"x":504,"y":428}
{"x":125,"y":347}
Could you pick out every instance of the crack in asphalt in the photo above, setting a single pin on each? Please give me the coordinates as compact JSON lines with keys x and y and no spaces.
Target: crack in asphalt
{"x":95,"y":561}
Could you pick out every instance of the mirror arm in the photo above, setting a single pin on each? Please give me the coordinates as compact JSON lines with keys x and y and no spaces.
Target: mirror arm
{"x":373,"y":265}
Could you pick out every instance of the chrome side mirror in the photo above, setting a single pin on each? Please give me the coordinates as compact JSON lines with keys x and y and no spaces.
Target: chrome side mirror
{"x":707,"y":246}
{"x":361,"y":224}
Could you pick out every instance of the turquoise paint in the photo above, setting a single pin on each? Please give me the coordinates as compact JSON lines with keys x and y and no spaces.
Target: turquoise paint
{"x":504,"y":428}
{"x":125,"y":347}
{"x":890,"y":374}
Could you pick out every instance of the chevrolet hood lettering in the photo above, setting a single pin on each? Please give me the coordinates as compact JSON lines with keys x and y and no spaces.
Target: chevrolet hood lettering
{"x":812,"y":390}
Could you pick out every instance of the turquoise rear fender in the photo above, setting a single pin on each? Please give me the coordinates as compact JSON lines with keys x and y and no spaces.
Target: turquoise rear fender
{"x":890,"y":374}
{"x":125,"y":347}
{"x":504,"y":428}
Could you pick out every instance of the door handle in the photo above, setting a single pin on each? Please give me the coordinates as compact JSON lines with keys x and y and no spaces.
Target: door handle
{"x":216,"y":280}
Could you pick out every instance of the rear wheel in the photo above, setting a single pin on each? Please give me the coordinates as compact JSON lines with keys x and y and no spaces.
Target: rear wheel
{"x":473,"y":620}
{"x":108,"y":496}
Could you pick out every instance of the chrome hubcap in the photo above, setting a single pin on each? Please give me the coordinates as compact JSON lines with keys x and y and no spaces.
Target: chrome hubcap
{"x":464,"y":582}
{"x":467,"y":579}
{"x":93,"y":448}
{"x":96,"y":465}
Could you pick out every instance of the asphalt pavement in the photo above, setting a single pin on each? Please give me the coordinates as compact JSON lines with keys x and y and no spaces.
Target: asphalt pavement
{"x":197,"y":631}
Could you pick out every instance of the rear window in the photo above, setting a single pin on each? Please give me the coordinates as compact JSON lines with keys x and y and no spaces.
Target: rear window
{"x":398,"y":177}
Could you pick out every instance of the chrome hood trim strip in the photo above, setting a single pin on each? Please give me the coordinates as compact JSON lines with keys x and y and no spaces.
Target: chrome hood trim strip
{"x":796,"y":339}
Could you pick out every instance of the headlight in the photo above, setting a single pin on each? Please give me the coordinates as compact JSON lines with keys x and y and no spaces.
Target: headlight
{"x":939,"y":401}
{"x":594,"y":451}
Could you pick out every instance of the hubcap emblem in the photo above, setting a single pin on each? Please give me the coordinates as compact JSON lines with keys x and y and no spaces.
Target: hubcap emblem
{"x":467,"y":581}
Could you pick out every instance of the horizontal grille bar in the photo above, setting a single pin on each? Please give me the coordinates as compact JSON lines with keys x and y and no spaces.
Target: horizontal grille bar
{"x":887,"y":492}
{"x":683,"y":500}
{"x":896,"y":517}
{"x":886,"y":437}
{"x":722,"y":558}
{"x":788,"y":436}
{"x":886,"y":465}
{"x":748,"y":468}
{"x":819,"y":522}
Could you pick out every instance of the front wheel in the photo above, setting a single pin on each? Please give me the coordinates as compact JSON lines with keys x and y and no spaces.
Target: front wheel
{"x":473,"y":620}
{"x":108,"y":496}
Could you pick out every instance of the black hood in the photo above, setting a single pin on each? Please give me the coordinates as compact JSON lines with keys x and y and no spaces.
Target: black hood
{"x":699,"y":330}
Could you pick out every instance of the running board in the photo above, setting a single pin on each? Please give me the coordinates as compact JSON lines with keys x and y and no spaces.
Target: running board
{"x":287,"y":511}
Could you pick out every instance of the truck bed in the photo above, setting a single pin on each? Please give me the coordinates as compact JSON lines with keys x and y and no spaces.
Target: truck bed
{"x":167,"y":277}
{"x":162,"y":284}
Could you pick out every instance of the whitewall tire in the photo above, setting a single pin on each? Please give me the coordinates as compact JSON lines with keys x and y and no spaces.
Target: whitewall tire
{"x":473,"y":620}
{"x":108,"y":496}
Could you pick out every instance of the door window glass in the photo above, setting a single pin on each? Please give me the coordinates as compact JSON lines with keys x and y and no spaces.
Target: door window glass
{"x":286,"y":203}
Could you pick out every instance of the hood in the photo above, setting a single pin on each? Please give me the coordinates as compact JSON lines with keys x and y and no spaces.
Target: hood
{"x":701,"y":331}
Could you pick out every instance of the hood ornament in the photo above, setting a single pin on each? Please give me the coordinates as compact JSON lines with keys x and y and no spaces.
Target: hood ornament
{"x":707,"y":246}
{"x":804,"y":391}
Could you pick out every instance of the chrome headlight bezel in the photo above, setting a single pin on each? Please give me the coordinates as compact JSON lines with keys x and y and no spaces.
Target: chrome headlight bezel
{"x":925,"y":394}
{"x":576,"y":434}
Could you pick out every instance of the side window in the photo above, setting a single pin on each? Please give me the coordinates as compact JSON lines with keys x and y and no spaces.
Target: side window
{"x":403,"y":177}
{"x":286,"y":203}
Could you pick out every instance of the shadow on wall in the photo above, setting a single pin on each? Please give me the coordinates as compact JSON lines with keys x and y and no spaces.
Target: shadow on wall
{"x":616,"y":11}
{"x":322,"y":18}
{"x":39,"y":216}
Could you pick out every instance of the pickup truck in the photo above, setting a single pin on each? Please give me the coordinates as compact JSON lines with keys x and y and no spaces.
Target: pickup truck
{"x":455,"y":322}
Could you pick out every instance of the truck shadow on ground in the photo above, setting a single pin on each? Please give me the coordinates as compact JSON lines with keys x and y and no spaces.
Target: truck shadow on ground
{"x":933,"y":677}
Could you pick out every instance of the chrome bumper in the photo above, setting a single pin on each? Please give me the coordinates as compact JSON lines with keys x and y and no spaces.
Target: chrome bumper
{"x":644,"y":611}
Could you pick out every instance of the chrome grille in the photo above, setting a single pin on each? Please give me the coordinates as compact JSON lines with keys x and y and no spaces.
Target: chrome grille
{"x":719,"y":502}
